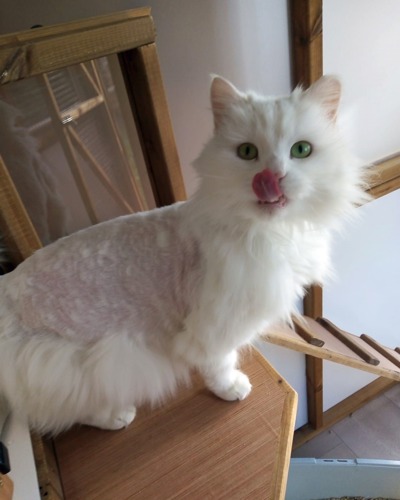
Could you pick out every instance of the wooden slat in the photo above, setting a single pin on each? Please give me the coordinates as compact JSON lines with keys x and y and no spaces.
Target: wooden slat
{"x":333,"y":349}
{"x":387,"y":353}
{"x":142,"y":74}
{"x":347,"y":339}
{"x":385,"y":176}
{"x":15,"y":225}
{"x":42,"y":50}
{"x":302,"y":330}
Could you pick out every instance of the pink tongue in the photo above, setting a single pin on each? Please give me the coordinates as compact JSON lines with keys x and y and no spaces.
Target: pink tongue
{"x":266,"y":186}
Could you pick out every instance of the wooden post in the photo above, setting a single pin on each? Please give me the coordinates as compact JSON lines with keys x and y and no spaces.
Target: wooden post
{"x":142,"y":74}
{"x":306,"y":43}
{"x":306,"y":32}
{"x":314,"y":366}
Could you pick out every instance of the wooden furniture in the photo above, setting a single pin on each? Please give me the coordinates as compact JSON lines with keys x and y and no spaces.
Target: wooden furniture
{"x":196,"y":446}
{"x":306,"y":29}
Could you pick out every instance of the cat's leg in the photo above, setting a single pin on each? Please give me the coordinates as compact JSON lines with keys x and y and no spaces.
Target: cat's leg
{"x":110,"y":419}
{"x":224,"y":380}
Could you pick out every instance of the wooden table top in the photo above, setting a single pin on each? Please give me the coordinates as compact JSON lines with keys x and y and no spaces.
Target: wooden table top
{"x":195,"y":447}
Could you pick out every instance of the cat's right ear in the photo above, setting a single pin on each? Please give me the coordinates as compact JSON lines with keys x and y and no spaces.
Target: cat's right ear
{"x":223,"y":95}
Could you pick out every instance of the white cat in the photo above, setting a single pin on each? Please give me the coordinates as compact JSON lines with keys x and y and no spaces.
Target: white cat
{"x":118,"y":314}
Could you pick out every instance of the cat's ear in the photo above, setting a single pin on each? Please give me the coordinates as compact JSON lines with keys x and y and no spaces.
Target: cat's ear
{"x":326,"y":91}
{"x":223,"y":95}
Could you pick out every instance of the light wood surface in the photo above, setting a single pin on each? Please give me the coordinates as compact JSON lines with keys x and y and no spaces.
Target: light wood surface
{"x":385,"y":176}
{"x":195,"y":447}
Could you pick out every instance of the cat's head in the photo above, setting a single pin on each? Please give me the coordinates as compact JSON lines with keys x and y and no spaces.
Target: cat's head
{"x":278,"y":159}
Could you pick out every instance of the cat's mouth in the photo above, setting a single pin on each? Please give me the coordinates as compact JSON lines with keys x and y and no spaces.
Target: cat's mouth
{"x":267,"y":187}
{"x":280,"y":202}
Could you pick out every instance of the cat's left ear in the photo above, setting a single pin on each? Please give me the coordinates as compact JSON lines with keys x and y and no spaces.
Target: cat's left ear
{"x":327,"y":91}
{"x":223,"y":95}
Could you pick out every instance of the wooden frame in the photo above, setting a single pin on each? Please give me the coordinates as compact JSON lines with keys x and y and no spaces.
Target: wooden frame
{"x":307,"y":58}
{"x":130,"y":35}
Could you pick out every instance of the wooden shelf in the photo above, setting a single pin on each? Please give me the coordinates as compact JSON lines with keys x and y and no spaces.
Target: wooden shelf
{"x":338,"y":345}
{"x":196,"y":446}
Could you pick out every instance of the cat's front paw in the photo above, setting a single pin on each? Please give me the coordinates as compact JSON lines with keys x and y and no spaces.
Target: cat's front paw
{"x":112,"y":421}
{"x":239,"y":389}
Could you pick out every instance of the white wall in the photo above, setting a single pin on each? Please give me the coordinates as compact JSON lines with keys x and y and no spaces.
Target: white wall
{"x":362,"y":45}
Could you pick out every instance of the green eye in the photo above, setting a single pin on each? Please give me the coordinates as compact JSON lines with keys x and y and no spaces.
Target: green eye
{"x":301,"y":149}
{"x":247,"y":151}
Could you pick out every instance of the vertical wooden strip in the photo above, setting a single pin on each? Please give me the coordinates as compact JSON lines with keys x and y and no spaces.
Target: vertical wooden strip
{"x":306,"y":46}
{"x":15,"y":225}
{"x":306,"y":42}
{"x":141,"y":70}
{"x":314,"y":366}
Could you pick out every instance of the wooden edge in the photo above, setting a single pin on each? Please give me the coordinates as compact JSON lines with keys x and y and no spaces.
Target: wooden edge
{"x":306,"y":40}
{"x":305,"y":333}
{"x":313,"y":307}
{"x":24,"y":56}
{"x":385,"y":176}
{"x":47,"y":468}
{"x":323,"y":353}
{"x":16,"y":227}
{"x":142,"y":74}
{"x":28,"y":36}
{"x":348,"y":341}
{"x":343,"y":410}
{"x":289,"y":412}
{"x":381,"y":349}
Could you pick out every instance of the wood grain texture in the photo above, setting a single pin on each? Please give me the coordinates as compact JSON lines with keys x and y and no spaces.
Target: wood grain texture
{"x":385,"y":176}
{"x":313,"y":308}
{"x":143,"y":79}
{"x":196,"y":446}
{"x":38,"y":51}
{"x":347,"y":339}
{"x":306,"y":41}
{"x":334,"y":349}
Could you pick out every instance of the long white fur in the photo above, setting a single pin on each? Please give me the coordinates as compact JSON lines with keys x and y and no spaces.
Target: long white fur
{"x":120,"y":313}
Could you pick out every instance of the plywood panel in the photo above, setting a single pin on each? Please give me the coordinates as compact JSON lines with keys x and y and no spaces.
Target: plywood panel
{"x":197,"y":446}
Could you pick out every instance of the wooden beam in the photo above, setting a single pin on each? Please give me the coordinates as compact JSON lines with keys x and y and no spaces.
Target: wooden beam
{"x":142,"y":74}
{"x":314,"y":366}
{"x":46,"y":49}
{"x":306,"y":41}
{"x":306,"y":46}
{"x":385,"y":176}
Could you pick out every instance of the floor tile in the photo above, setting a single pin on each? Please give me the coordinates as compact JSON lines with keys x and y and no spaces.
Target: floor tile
{"x":371,"y":432}
{"x":394,"y":394}
{"x":319,"y":445}
{"x":341,"y":451}
{"x":370,"y":439}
